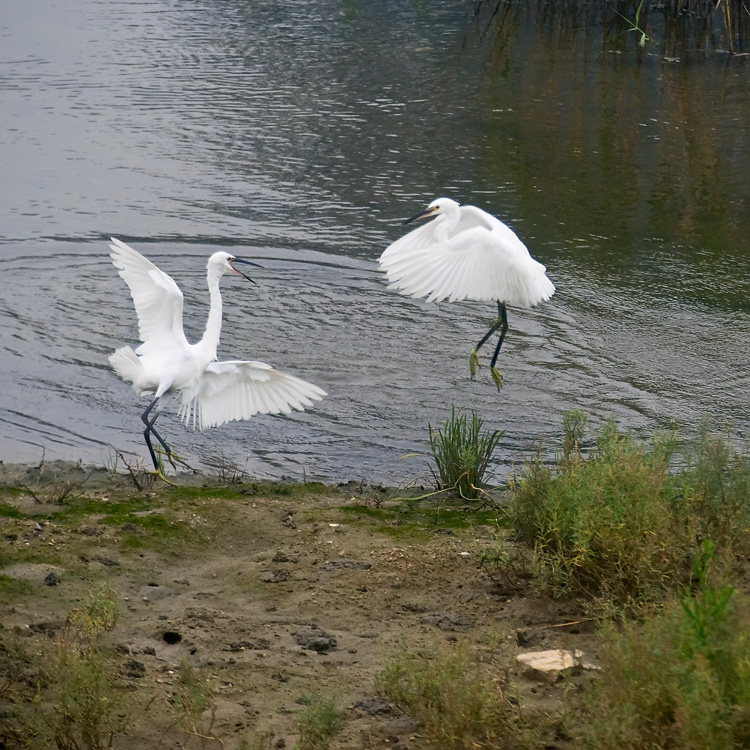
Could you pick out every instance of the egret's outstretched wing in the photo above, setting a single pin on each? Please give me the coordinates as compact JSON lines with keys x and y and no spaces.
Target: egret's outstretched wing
{"x":481,"y":259}
{"x":238,"y":390}
{"x":157,"y":299}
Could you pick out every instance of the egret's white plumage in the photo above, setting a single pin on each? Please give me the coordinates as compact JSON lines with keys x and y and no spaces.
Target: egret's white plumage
{"x":165,"y":363}
{"x":466,"y":253}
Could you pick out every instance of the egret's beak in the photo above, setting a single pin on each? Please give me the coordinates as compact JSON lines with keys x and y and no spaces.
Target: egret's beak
{"x":247,"y":263}
{"x":421,"y":215}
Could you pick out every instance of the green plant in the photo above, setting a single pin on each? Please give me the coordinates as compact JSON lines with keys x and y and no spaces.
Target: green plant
{"x":574,"y":426}
{"x":88,"y":703}
{"x":319,"y":722}
{"x":193,"y":696}
{"x":98,"y":613}
{"x":680,"y":679}
{"x":462,"y":453}
{"x":706,"y":612}
{"x":458,"y":704}
{"x":635,"y":25}
{"x":606,"y":526}
{"x":716,"y":484}
{"x":89,"y":706}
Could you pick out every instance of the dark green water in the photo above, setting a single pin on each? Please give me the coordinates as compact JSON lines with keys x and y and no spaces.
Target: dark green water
{"x":299,"y":134}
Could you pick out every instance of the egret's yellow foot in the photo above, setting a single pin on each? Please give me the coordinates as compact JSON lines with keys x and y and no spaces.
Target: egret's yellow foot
{"x":473,"y":363}
{"x":159,"y":474}
{"x":497,"y":377}
{"x":174,"y":459}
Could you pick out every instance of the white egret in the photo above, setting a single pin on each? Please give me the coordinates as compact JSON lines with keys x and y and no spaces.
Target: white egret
{"x":466,"y":253}
{"x":212,"y":392}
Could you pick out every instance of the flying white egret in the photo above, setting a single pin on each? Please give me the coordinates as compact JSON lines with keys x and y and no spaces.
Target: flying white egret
{"x":166,"y":363}
{"x":466,"y":253}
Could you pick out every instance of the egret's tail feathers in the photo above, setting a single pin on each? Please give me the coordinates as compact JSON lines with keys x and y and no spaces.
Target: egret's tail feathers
{"x":125,"y":363}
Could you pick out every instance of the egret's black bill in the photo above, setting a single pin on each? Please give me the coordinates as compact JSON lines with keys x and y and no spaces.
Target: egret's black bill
{"x":420,"y":215}
{"x":247,"y":263}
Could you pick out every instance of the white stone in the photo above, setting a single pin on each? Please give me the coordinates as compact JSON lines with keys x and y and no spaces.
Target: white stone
{"x":549,"y":665}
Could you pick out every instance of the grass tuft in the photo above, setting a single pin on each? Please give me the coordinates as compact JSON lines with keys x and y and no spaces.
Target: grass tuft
{"x":457,"y":704}
{"x":193,"y":697}
{"x":462,"y":452}
{"x":319,"y":722}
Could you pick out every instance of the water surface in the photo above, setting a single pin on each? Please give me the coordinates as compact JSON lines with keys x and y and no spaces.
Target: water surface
{"x":298,"y":134}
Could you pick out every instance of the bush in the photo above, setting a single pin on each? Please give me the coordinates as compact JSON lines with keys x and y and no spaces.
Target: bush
{"x":462,"y":453}
{"x":457,"y":705}
{"x":90,"y":707}
{"x":716,"y":484}
{"x":619,"y":524}
{"x":679,"y":680}
{"x":608,"y":526}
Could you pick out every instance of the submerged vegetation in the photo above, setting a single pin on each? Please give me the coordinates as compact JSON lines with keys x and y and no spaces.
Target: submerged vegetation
{"x":676,"y":26}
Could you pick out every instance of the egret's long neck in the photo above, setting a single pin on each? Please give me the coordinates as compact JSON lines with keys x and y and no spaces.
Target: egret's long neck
{"x":448,"y":220}
{"x":210,"y":340}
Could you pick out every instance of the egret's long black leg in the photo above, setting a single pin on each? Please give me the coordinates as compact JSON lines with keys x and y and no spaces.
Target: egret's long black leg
{"x":149,"y":430}
{"x":496,"y":376}
{"x":504,"y":323}
{"x":502,"y":320}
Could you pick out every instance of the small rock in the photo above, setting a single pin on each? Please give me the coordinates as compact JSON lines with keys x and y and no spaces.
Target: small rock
{"x":313,"y":638}
{"x":285,"y":557}
{"x":373,"y":706}
{"x":526,"y":637}
{"x":447,"y":621}
{"x":549,"y":665}
{"x":52,"y":579}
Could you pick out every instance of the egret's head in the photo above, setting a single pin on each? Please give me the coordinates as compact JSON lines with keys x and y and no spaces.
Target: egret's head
{"x":224,"y":263}
{"x":437,"y":207}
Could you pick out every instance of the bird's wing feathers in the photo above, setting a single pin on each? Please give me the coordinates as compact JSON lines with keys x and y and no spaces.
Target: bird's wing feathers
{"x":238,"y":390}
{"x":157,"y":298}
{"x":481,"y":259}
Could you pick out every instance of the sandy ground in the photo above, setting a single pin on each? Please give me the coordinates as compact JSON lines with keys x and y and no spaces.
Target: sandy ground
{"x":278,"y":590}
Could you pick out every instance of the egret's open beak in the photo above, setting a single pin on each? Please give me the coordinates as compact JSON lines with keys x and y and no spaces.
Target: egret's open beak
{"x":247,"y":263}
{"x":421,"y":215}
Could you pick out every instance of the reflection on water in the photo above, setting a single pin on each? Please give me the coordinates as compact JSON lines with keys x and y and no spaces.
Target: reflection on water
{"x":299,"y":133}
